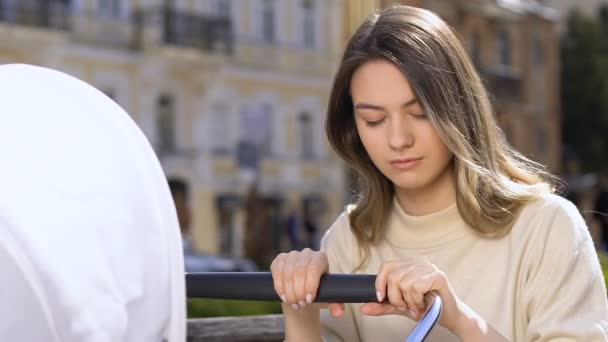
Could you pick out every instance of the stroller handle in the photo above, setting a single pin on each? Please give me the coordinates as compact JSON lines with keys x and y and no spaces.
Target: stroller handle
{"x":333,"y":288}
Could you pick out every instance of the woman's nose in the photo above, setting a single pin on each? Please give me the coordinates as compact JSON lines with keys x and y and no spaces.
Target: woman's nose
{"x":399,"y":135}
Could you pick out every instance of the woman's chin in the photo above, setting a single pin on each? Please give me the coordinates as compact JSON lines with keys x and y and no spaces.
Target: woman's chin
{"x":408,"y":185}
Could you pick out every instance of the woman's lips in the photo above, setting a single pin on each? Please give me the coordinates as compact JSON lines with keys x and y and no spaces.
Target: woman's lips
{"x":405,"y":163}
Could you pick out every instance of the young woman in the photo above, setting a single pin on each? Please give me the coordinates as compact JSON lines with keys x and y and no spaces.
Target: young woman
{"x":445,"y":205}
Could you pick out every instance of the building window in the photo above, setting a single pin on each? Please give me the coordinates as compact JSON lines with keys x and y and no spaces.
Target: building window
{"x":227,"y":210}
{"x":308,"y":23}
{"x":110,"y":8}
{"x":165,"y":123}
{"x":268,"y":14}
{"x":257,"y":127}
{"x":504,"y":47}
{"x":180,"y":191}
{"x":476,"y":48}
{"x":220,"y":132}
{"x":537,"y":49}
{"x":306,"y":136}
{"x":224,"y":8}
{"x":541,"y":143}
{"x":265,"y":135}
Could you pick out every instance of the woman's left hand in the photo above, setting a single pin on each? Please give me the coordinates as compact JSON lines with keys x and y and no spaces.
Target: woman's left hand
{"x":406,"y":282}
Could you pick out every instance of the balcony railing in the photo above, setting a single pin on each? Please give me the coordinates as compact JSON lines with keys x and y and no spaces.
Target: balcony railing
{"x":205,"y":32}
{"x":48,"y":14}
{"x":116,"y":31}
{"x":209,"y":33}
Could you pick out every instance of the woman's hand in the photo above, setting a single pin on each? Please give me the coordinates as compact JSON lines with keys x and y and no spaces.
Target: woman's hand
{"x":296,"y":278}
{"x":405,"y":283}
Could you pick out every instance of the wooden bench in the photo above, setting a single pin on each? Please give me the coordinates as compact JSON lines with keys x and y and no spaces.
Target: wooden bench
{"x":267,"y":328}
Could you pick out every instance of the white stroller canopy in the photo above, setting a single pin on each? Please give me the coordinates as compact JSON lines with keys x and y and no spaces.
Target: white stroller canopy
{"x":90,"y":248}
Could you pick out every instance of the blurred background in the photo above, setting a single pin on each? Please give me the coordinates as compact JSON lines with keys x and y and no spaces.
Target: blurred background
{"x":232,"y":96}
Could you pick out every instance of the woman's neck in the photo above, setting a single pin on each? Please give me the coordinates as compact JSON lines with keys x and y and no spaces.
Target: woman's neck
{"x":432,"y":198}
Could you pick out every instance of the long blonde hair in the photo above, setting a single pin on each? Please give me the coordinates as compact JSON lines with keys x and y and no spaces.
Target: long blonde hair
{"x":493,"y":181}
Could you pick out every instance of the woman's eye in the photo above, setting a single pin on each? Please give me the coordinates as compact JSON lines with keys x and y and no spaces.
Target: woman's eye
{"x":420,"y":116}
{"x":374,"y":123}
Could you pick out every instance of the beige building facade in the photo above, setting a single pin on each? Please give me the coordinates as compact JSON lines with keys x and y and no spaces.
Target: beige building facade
{"x":227,"y":92}
{"x":232,"y":91}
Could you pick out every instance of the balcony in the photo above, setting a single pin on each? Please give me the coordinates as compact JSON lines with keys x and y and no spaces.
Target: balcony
{"x":204,"y":32}
{"x":106,"y":30}
{"x":46,"y":14}
{"x":140,"y":29}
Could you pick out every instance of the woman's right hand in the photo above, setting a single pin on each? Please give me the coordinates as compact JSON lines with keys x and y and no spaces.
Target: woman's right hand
{"x":296,"y":278}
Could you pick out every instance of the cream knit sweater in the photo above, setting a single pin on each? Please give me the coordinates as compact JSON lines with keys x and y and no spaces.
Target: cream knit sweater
{"x":541,"y":282}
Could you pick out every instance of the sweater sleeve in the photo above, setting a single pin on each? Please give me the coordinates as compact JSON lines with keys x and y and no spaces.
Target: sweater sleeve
{"x":340,"y":246}
{"x":564,"y":295}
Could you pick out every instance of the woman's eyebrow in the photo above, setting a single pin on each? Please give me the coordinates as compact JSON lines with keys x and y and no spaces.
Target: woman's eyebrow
{"x":362,"y":105}
{"x":368,"y":106}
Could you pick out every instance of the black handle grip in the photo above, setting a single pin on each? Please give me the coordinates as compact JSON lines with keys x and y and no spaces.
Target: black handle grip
{"x":333,"y":288}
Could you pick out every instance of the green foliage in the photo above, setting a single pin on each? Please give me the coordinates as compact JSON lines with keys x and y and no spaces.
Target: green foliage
{"x":604,"y":261}
{"x":584,"y":84}
{"x":198,"y":308}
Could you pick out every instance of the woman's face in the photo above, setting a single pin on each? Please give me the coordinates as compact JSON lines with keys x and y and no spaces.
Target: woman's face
{"x":400,"y":140}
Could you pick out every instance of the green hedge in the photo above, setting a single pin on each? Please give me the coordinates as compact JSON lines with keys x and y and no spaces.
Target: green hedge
{"x":604,"y":261}
{"x":198,"y":308}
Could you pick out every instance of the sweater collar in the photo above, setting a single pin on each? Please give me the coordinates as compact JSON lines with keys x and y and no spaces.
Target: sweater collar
{"x":435,"y":229}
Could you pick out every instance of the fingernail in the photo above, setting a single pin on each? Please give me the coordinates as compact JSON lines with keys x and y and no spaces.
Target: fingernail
{"x":309,"y":298}
{"x":295,"y":306}
{"x":379,"y":296}
{"x":413,"y":313}
{"x":402,"y":309}
{"x":302,"y":304}
{"x":283,"y":298}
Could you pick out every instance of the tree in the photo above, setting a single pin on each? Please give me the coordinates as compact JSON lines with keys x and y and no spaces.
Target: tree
{"x":603,"y":18}
{"x":584,"y":77}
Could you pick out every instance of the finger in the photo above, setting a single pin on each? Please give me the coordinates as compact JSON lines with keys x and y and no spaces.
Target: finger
{"x":394,"y":292}
{"x":288,"y":278}
{"x":417,"y":299}
{"x":382,"y":279}
{"x":317,"y":267}
{"x":433,"y":281}
{"x":419,"y":290}
{"x":300,"y":275}
{"x":420,"y":284}
{"x":405,"y":293}
{"x":276,"y":269}
{"x":430,"y":282}
{"x":410,"y":276}
{"x":407,"y":276}
{"x":379,"y":309}
{"x":337,"y":309}
{"x":408,"y":293}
